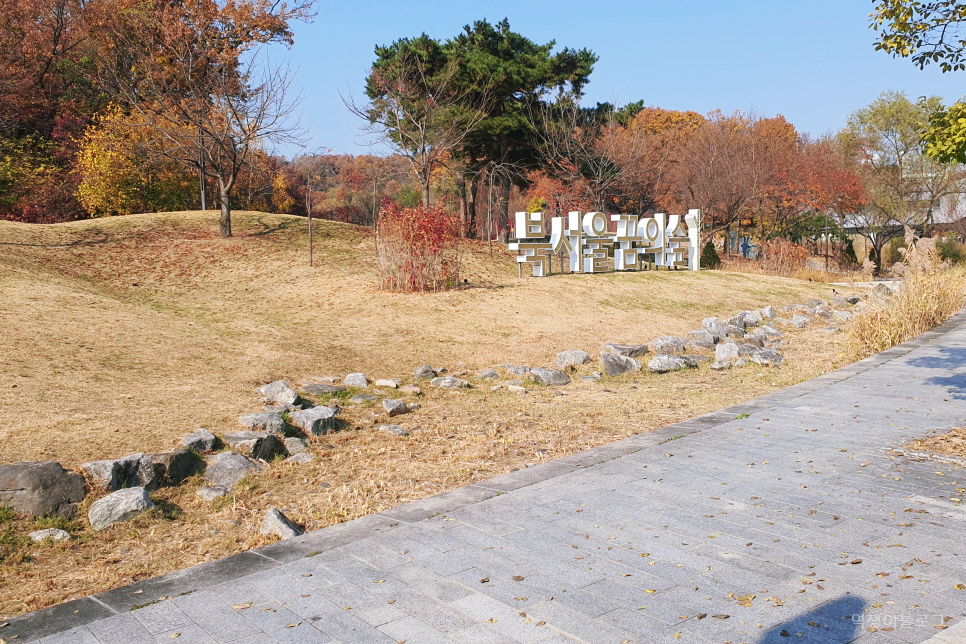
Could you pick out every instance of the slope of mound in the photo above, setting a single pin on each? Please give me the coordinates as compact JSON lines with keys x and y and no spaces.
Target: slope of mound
{"x":121,"y":335}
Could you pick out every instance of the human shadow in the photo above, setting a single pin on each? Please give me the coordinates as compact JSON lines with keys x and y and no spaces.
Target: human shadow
{"x":833,"y":622}
{"x":949,"y":360}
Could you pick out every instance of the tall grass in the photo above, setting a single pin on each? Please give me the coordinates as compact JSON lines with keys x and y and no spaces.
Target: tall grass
{"x":931,"y":293}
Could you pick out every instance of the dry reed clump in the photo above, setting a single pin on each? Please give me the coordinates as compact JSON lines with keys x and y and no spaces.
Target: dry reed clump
{"x":418,"y":248}
{"x":931,"y":293}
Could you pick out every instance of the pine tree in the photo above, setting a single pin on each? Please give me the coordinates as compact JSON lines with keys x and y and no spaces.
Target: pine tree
{"x":709,"y":256}
{"x":849,"y":255}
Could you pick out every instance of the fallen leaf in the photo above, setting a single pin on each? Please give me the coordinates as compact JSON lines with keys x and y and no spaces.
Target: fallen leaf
{"x":174,"y":635}
{"x":292,"y":625}
{"x":485,"y":580}
{"x":242,"y":606}
{"x":516,"y":578}
{"x":700,"y":615}
{"x":745,"y":598}
{"x":721,"y":616}
{"x":541,"y":623}
{"x":649,"y":591}
{"x":520,"y":599}
{"x":379,"y":581}
{"x":491,"y":621}
{"x":391,"y":601}
{"x":960,"y":587}
{"x":856,"y":561}
{"x":813,"y":623}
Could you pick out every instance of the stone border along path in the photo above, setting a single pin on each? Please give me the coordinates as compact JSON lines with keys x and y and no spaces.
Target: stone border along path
{"x":787,"y":518}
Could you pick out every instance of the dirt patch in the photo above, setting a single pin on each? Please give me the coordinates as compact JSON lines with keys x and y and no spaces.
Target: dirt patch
{"x":123,"y":335}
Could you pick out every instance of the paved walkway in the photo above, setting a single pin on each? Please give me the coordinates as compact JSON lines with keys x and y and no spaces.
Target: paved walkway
{"x":784,"y":519}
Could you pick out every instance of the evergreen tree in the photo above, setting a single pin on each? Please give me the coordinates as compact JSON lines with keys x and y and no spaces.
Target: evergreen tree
{"x":709,"y":256}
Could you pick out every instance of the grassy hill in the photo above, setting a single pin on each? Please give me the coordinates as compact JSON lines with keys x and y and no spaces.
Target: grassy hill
{"x":123,"y":334}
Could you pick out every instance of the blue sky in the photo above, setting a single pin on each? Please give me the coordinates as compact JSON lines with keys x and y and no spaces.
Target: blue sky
{"x":811,"y":60}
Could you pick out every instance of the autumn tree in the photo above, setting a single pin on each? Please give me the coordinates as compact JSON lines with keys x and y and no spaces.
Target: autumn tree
{"x":190,"y":70}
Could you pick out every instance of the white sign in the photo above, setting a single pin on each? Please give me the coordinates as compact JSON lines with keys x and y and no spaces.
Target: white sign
{"x":661,"y":240}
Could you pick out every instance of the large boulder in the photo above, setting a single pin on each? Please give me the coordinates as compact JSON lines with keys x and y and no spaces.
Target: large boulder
{"x":799,"y":321}
{"x":38,"y":488}
{"x":736,"y":332}
{"x":616,"y":364}
{"x":296,"y":445}
{"x":766,"y":357}
{"x":704,"y":337}
{"x":726,"y":352}
{"x":714,"y":326}
{"x":278,"y":524}
{"x":425,"y":372}
{"x":357,"y":379}
{"x":666,"y":345}
{"x":665,"y":363}
{"x":315,"y":421}
{"x":279,"y":393}
{"x":751,"y":318}
{"x":395,"y":407}
{"x":266,"y":421}
{"x":200,"y":441}
{"x":227,"y":468}
{"x":119,"y":506}
{"x":572,"y":358}
{"x":629,"y":350}
{"x":115,"y":474}
{"x":550,"y":377}
{"x":767,"y":312}
{"x":322,"y":388}
{"x":167,"y":468}
{"x":258,"y":445}
{"x":449,"y":382}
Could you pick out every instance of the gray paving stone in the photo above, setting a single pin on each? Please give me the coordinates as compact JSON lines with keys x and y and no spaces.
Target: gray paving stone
{"x":121,"y":628}
{"x":79,"y":635}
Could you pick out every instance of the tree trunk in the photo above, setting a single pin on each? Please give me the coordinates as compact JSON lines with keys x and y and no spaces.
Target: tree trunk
{"x":464,"y":211}
{"x":224,"y":199}
{"x":424,"y":179}
{"x":503,"y":211}
{"x":471,"y":205}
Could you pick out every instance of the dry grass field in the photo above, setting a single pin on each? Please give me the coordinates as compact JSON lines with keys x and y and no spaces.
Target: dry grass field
{"x":122,"y":335}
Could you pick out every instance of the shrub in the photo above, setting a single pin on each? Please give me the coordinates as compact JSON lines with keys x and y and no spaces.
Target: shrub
{"x":848,"y":255}
{"x":952,"y":250}
{"x":893,"y":251}
{"x":418,"y":248}
{"x":931,"y":293}
{"x":709,"y":256}
{"x":782,"y":256}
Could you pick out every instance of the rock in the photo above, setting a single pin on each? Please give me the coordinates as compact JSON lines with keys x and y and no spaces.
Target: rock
{"x":300,"y":459}
{"x":521,"y":370}
{"x":449,"y":382}
{"x":705,"y":337}
{"x":394,"y":429}
{"x":516,"y":389}
{"x":767,"y":312}
{"x":200,"y":441}
{"x":721,"y":365}
{"x":395,"y":407}
{"x":736,"y":332}
{"x":280,"y":525}
{"x":714,"y":326}
{"x":830,"y":330}
{"x":315,"y":421}
{"x":357,"y":379}
{"x":119,"y":506}
{"x":665,"y":363}
{"x":738,"y":321}
{"x":496,"y":388}
{"x":54,"y":534}
{"x":488,"y":374}
{"x":329,"y":380}
{"x":726,"y":352}
{"x":550,"y":377}
{"x":752,"y":318}
{"x":114,"y":474}
{"x":425,"y":372}
{"x":779,"y":321}
{"x":628,"y":350}
{"x":838,"y":300}
{"x":842,"y":316}
{"x":853,"y":299}
{"x":746,"y":349}
{"x":741,"y":362}
{"x":814,"y":303}
{"x":227,"y":468}
{"x":694,"y":360}
{"x":361,"y":398}
{"x":266,"y":421}
{"x":295,"y":445}
{"x":666,"y":345}
{"x":392,"y":383}
{"x":258,"y":445}
{"x":755,"y":339}
{"x":411,"y":389}
{"x":693,"y":344}
{"x":211,"y":492}
{"x":279,"y":393}
{"x":572,"y":358}
{"x":769,"y":332}
{"x":413,"y":406}
{"x":321,"y":388}
{"x":799,"y":321}
{"x":615,"y":364}
{"x":766,"y":357}
{"x":167,"y":468}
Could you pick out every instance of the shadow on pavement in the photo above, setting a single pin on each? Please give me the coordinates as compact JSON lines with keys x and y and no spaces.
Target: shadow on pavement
{"x":835,"y":622}
{"x":950,"y":360}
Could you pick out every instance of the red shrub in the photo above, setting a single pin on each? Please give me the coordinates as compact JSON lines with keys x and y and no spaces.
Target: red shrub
{"x":418,"y":248}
